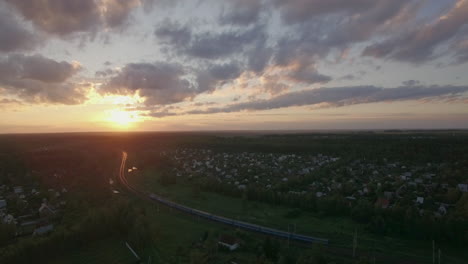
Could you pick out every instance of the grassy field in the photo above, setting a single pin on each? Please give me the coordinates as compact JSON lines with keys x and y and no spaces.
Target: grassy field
{"x":338,"y":229}
{"x":175,"y":242}
{"x":112,"y":251}
{"x":178,"y":237}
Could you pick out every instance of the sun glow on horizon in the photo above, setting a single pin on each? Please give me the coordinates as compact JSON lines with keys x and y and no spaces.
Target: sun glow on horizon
{"x":122,"y":118}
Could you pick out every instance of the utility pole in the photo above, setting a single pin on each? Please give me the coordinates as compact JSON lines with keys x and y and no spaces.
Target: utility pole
{"x":433,"y":251}
{"x":439,"y":255}
{"x":289,"y":235}
{"x":373,"y":252}
{"x":355,"y":243}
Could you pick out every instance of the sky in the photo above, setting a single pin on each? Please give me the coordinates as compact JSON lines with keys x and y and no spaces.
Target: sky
{"x":180,"y":65}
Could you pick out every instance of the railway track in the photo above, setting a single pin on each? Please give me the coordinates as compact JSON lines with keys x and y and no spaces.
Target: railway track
{"x":239,"y":224}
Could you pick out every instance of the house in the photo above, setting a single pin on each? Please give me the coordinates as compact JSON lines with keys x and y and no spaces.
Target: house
{"x":442,"y":210}
{"x":45,"y":211}
{"x":463,"y":187}
{"x":44,"y":229}
{"x":228,"y":241}
{"x":388,"y":195}
{"x":429,"y":176}
{"x":27,"y":227}
{"x":3,"y":204}
{"x":382,"y":203}
{"x":420,"y":200}
{"x":18,"y":189}
{"x":9,"y":219}
{"x":407,"y":174}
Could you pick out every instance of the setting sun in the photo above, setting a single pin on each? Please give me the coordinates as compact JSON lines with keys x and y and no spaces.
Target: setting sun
{"x":121,"y":118}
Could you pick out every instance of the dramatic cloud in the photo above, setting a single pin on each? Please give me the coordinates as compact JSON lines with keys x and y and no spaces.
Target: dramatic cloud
{"x":36,"y":79}
{"x":297,"y":11}
{"x":163,"y":83}
{"x":64,"y":17}
{"x":240,"y":55}
{"x":206,"y":45}
{"x":241,"y":12}
{"x":307,"y":73}
{"x":411,"y":83}
{"x":173,"y":33}
{"x":461,"y":52}
{"x":419,"y":44}
{"x":339,"y":96}
{"x":13,"y":34}
{"x":5,"y":102}
{"x":158,"y":83}
{"x":259,"y":56}
{"x":117,"y":11}
{"x":320,"y":27}
{"x":60,"y":17}
{"x":217,"y":75}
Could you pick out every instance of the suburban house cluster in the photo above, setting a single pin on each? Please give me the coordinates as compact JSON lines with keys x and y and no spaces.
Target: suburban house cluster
{"x":384,"y":183}
{"x":30,"y":209}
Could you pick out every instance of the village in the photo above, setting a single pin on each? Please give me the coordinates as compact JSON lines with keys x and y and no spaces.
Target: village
{"x":384,"y":183}
{"x":30,"y":209}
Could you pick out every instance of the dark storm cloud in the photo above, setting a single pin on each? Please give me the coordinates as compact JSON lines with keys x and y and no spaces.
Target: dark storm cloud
{"x":159,"y":83}
{"x":36,"y":79}
{"x":419,"y":43}
{"x":241,"y":12}
{"x":341,"y":96}
{"x":13,"y":35}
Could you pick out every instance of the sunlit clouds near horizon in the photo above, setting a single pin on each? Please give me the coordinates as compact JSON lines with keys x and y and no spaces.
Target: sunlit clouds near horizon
{"x":110,"y":65}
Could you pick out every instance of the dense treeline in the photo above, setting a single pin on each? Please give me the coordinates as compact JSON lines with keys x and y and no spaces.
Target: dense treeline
{"x":410,"y":147}
{"x":400,"y":220}
{"x":117,"y":217}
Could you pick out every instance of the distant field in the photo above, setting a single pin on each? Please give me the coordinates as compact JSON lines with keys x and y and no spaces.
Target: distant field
{"x":111,"y":251}
{"x":338,"y":229}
